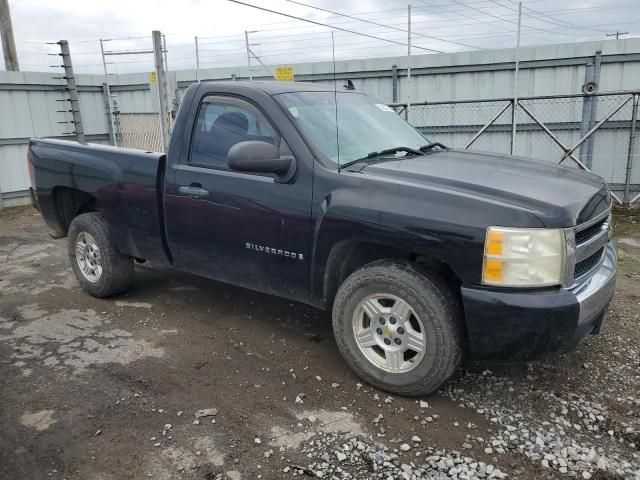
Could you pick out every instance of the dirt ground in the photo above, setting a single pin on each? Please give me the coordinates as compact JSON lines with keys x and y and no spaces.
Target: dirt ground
{"x":108,"y":389}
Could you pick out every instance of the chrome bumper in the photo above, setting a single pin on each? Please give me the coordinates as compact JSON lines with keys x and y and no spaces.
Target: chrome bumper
{"x":595,"y":291}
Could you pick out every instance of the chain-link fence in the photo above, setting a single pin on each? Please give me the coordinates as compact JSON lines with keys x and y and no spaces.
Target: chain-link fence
{"x":138,"y":130}
{"x":586,"y":131}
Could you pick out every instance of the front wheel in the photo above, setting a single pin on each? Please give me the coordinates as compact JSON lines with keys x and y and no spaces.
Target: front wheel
{"x":398,"y":328}
{"x":99,"y":267}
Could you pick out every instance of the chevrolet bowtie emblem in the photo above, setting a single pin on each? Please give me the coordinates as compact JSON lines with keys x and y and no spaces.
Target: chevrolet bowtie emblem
{"x":388,"y":331}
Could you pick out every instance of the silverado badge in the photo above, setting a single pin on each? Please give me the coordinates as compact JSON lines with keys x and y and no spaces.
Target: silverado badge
{"x":274,"y":251}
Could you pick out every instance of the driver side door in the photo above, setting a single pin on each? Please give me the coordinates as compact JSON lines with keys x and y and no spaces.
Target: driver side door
{"x":240,"y":228}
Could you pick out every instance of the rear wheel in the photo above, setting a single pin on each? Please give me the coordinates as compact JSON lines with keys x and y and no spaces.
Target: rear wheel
{"x":398,"y":328}
{"x":98,"y":265}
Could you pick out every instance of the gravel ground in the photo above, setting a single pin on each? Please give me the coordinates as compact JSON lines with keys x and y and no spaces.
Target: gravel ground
{"x":188,"y":378}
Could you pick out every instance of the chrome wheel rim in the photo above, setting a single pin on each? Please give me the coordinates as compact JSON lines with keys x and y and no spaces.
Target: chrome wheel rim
{"x":88,"y":257}
{"x":389,"y":333}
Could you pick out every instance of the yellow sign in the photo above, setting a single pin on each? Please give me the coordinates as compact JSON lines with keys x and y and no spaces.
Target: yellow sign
{"x":153,"y":78}
{"x":284,"y":74}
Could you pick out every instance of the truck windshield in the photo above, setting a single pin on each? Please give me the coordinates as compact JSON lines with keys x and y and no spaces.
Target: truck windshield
{"x":363,"y":124}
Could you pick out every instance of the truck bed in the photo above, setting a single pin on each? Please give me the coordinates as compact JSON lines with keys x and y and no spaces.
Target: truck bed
{"x":125,"y":183}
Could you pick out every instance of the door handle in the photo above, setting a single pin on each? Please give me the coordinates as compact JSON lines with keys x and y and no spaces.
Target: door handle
{"x":193,"y":191}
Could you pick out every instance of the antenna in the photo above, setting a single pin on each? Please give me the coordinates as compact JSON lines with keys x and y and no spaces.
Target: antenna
{"x":335,"y":96}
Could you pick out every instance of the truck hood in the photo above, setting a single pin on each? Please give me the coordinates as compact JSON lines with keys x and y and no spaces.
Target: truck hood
{"x":559,"y":196}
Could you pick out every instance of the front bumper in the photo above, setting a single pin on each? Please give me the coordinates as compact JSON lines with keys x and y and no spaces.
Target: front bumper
{"x":524,"y":324}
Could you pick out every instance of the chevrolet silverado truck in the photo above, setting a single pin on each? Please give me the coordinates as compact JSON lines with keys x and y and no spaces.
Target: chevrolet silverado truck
{"x":424,"y":254}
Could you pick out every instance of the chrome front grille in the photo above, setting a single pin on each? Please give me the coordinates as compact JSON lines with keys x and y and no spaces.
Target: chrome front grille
{"x":586,"y":265}
{"x":590,"y":239}
{"x":589,"y":232}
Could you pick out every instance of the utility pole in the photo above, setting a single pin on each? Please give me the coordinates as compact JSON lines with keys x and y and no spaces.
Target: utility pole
{"x":617,"y":34}
{"x":162,"y":88}
{"x":515,"y":82}
{"x":73,"y":90}
{"x":8,"y":42}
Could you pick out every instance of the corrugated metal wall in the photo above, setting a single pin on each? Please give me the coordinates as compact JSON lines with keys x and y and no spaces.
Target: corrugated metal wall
{"x":29,"y":101}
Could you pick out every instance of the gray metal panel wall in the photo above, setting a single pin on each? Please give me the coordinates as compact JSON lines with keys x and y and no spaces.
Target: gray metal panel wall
{"x":28,"y":99}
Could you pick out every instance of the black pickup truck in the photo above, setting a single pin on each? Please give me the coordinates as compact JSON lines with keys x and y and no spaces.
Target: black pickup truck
{"x":424,"y":254}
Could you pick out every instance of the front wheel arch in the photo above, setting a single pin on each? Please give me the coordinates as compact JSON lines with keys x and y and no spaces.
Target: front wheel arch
{"x":349,"y":256}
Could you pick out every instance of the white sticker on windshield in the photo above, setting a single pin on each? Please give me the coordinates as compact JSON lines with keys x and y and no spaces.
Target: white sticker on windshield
{"x":385,"y":108}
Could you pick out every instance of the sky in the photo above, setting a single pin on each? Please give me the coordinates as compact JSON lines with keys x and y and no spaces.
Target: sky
{"x":437,"y":25}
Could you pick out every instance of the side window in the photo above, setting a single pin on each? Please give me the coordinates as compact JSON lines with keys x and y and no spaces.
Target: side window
{"x":223,"y":123}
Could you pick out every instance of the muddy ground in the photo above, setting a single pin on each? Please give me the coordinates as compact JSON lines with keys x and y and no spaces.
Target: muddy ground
{"x":108,"y":389}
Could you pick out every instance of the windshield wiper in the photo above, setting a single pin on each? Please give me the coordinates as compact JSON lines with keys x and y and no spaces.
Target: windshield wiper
{"x":381,"y":153}
{"x":431,"y":146}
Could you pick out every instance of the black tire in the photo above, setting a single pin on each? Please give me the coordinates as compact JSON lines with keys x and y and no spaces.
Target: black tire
{"x":117,"y":269}
{"x":432,"y":301}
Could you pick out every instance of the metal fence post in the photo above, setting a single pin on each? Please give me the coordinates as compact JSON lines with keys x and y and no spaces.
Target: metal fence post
{"x":594,"y":106}
{"x":512,"y":148}
{"x":587,"y":103}
{"x":246,"y":42}
{"x":515,"y":82}
{"x":394,"y":83}
{"x":107,"y":90}
{"x":73,"y":90}
{"x":406,"y":111}
{"x":164,"y":53}
{"x":109,"y":112}
{"x":630,"y":153}
{"x":162,"y":88}
{"x":117,"y":133}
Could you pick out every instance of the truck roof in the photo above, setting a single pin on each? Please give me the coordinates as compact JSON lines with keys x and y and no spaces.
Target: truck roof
{"x":273,"y":87}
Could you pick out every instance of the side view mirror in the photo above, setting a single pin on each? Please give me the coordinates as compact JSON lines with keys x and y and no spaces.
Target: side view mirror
{"x":260,"y":157}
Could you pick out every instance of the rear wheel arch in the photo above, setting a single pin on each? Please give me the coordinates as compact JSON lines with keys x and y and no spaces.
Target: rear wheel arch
{"x":71,"y":202}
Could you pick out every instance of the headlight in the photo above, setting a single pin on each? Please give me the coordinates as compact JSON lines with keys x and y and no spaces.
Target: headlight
{"x":523,"y":257}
